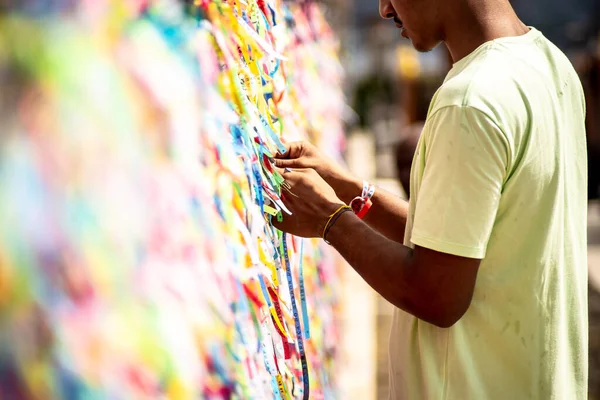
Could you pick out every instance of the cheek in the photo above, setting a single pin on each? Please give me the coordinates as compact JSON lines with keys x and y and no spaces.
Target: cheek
{"x":400,"y":7}
{"x":417,"y":15}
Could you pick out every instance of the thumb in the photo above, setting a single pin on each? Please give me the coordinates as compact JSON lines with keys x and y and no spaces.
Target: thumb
{"x":289,"y":163}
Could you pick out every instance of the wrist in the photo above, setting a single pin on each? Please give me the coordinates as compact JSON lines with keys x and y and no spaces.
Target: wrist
{"x":339,"y":229}
{"x":328,"y":211}
{"x":333,"y":219}
{"x":346,"y":186}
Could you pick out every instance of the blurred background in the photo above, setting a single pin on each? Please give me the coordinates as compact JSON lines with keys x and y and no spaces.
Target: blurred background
{"x":389,"y":86}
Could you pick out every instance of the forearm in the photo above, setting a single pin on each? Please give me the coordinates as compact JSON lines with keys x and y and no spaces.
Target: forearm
{"x":433,"y":286}
{"x":388,"y":267}
{"x":389,"y":212}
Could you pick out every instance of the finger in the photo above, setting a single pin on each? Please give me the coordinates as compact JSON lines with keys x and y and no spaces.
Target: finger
{"x":293,"y":150}
{"x":288,"y":148}
{"x":285,"y":172}
{"x":288,"y":163}
{"x":292,"y":178}
{"x":288,"y":172}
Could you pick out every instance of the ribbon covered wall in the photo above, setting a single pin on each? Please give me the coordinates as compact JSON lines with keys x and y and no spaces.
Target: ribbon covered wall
{"x":137,"y":257}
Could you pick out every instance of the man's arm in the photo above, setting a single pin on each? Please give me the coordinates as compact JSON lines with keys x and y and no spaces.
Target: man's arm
{"x":458,"y":203}
{"x":433,"y":286}
{"x":389,"y":212}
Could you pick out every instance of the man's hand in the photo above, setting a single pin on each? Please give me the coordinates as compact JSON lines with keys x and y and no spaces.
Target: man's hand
{"x":311,"y":201}
{"x":305,"y":155}
{"x":388,"y":214}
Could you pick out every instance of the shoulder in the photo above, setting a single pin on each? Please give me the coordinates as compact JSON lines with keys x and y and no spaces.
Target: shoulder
{"x":508,"y":78}
{"x":485,"y":84}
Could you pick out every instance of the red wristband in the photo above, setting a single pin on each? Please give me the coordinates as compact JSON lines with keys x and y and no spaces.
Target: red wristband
{"x":365,"y":209}
{"x":361,"y":205}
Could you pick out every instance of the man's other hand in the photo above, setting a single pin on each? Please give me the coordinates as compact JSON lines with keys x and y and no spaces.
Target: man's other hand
{"x":305,"y":155}
{"x":311,"y":201}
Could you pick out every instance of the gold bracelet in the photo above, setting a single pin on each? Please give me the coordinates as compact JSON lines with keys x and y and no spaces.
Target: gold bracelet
{"x":332,"y":216}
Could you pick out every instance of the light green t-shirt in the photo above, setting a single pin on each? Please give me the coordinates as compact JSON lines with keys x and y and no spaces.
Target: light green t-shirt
{"x":500,"y":175}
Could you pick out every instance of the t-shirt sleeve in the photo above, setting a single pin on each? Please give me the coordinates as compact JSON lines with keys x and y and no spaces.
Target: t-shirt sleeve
{"x":465,"y":166}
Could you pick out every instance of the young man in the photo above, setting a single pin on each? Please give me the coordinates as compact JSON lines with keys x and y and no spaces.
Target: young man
{"x":487,"y":264}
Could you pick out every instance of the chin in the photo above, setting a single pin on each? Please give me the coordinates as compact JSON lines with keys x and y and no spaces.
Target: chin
{"x":424,"y":46}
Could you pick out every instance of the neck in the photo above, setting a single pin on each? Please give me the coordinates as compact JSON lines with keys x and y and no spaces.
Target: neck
{"x":474,"y":22}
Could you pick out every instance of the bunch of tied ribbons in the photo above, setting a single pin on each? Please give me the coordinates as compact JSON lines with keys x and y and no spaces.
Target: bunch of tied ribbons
{"x":137,"y":257}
